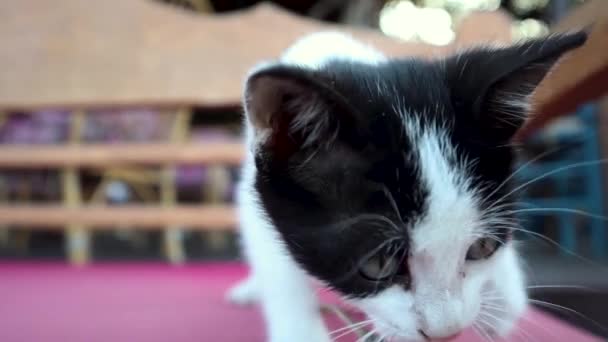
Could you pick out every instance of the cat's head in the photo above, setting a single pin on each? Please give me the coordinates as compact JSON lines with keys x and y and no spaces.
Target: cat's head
{"x":388,"y":180}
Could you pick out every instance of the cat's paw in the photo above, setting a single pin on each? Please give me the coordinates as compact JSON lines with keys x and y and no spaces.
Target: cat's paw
{"x":243,"y":293}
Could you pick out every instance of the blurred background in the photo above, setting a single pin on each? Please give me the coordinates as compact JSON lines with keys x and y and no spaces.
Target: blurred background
{"x":120,"y":126}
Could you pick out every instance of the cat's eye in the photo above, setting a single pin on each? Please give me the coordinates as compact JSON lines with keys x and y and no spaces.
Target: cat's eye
{"x":482,"y":249}
{"x":381,"y":266}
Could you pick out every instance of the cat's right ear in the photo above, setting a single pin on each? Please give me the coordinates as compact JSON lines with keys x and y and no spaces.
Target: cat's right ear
{"x":292,"y":108}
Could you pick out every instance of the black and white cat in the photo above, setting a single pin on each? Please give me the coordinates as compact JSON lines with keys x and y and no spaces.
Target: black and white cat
{"x":386,"y":180}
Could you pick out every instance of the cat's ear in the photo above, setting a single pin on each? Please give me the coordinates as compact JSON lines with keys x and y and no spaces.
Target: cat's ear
{"x":496,"y":84}
{"x":291,"y":108}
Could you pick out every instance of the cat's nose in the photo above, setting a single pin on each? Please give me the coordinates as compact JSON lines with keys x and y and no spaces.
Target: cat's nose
{"x":444,"y":325}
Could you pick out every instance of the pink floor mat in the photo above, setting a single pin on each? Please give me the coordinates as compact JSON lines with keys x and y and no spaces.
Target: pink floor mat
{"x":155,"y":302}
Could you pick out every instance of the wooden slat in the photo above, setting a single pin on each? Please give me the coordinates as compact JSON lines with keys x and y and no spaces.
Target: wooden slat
{"x":216,"y":217}
{"x":36,"y":156}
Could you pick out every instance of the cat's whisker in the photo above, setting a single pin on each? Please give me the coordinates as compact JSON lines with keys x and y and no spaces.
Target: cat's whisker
{"x":576,"y":287}
{"x":383,"y":338}
{"x":502,"y":214}
{"x":498,"y":320}
{"x":354,"y":330}
{"x":550,"y":241}
{"x":552,"y":172}
{"x":392,"y":201}
{"x":477,"y":331}
{"x":570,"y":310}
{"x":498,"y":208}
{"x":525,"y":334}
{"x":525,"y":318}
{"x":372,"y":218}
{"x":486,"y":292}
{"x":538,"y":325}
{"x":500,"y":219}
{"x":492,"y":300}
{"x":487,"y":314}
{"x":519,"y":169}
{"x":399,"y":249}
{"x":351,"y":327}
{"x":366,"y":336}
{"x":493,"y":307}
{"x":483,"y":325}
{"x":491,"y":296}
{"x":561,"y":210}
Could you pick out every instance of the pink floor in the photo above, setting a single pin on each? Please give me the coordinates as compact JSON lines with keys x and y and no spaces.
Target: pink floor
{"x":153,"y":302}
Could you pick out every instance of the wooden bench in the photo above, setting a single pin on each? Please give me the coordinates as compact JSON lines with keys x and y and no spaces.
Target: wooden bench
{"x":79,"y":217}
{"x":116,"y":155}
{"x":209,"y":217}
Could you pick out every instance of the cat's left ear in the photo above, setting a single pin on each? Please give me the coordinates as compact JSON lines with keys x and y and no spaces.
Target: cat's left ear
{"x":292,"y":109}
{"x":495,"y":85}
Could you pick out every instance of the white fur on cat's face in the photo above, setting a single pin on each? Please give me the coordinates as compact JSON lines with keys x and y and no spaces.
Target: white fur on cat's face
{"x":447,"y":292}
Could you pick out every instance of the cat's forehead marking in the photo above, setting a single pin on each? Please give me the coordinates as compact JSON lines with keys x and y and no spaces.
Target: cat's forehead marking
{"x":452,"y":211}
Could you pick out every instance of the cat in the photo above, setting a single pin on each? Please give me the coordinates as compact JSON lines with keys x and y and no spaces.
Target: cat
{"x":387,"y":180}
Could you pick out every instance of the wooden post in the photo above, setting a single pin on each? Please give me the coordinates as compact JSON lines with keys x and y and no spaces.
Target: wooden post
{"x":77,"y":237}
{"x":173,"y":235}
{"x":21,"y":237}
{"x":217,"y":185}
